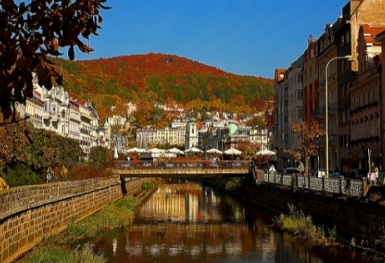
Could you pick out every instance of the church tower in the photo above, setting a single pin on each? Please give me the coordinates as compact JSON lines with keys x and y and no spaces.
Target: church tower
{"x":191,"y":139}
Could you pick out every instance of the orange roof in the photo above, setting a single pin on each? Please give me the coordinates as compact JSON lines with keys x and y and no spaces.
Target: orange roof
{"x":371,"y":32}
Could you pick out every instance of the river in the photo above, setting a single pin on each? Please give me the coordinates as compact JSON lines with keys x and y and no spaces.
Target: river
{"x":191,"y":223}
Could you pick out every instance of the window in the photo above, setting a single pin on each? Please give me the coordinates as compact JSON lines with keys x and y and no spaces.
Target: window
{"x":366,"y":102}
{"x":300,"y":95}
{"x":299,"y":113}
{"x":378,"y":127}
{"x":342,"y":41}
{"x":376,"y":94}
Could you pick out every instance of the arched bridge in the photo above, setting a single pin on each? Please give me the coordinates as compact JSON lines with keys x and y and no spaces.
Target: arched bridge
{"x":183,"y":169}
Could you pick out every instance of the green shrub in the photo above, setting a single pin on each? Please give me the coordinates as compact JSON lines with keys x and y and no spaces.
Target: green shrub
{"x":21,"y":174}
{"x":147,"y":186}
{"x":332,"y":234}
{"x":299,"y":224}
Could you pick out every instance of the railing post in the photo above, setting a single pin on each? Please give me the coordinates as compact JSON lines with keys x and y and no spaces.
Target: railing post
{"x":340,"y":181}
{"x":323,"y":183}
{"x":364,"y":186}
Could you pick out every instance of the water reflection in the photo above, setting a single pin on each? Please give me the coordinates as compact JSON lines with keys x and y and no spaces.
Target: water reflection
{"x":191,"y":223}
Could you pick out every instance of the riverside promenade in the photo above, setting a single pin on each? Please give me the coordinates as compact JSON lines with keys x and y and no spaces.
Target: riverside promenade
{"x":30,"y":213}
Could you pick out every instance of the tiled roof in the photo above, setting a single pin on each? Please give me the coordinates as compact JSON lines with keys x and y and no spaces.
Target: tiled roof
{"x":371,"y":32}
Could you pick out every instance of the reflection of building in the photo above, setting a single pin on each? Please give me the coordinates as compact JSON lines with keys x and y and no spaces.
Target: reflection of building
{"x":181,"y":203}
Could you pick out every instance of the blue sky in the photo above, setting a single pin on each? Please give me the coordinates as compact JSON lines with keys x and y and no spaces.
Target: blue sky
{"x":245,"y":37}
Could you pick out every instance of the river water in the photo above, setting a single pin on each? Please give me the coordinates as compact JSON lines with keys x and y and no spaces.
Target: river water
{"x":191,"y":223}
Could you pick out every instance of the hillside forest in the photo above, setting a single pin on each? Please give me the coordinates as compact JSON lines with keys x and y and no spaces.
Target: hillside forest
{"x":160,"y":78}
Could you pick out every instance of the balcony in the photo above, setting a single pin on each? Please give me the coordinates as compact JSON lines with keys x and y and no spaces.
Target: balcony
{"x":52,"y":116}
{"x":332,"y":110}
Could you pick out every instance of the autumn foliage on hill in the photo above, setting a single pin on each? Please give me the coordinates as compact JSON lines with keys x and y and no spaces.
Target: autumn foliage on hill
{"x":161,"y":78}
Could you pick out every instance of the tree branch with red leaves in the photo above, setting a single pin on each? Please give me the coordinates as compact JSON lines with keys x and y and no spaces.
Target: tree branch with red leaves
{"x":29,"y":32}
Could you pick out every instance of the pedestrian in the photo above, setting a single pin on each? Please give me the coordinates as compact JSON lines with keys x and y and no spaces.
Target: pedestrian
{"x":49,"y":175}
{"x":3,"y":184}
{"x":64,"y":172}
{"x":372,"y":176}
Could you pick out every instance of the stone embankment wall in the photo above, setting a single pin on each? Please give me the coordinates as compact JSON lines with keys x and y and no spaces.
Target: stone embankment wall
{"x":353,"y":216}
{"x":30,"y":213}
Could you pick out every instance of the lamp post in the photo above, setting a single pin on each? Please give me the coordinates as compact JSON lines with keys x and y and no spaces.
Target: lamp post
{"x":206,"y":149}
{"x":327,"y":113}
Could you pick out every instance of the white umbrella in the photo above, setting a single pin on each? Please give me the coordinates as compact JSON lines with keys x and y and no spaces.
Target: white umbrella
{"x":300,"y":167}
{"x":266,"y":152}
{"x":215,"y":151}
{"x":156,"y":150}
{"x":116,"y":156}
{"x":232,"y":151}
{"x":193,"y":150}
{"x":272,"y":169}
{"x":135,"y":150}
{"x":175,"y":150}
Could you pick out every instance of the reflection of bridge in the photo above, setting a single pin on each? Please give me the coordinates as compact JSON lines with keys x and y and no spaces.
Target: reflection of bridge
{"x":183,"y":169}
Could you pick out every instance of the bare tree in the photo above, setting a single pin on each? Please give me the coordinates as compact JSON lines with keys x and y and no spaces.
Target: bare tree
{"x":306,"y":132}
{"x":29,"y":32}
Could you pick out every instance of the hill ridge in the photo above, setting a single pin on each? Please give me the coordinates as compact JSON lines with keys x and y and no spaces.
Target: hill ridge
{"x":158,"y":77}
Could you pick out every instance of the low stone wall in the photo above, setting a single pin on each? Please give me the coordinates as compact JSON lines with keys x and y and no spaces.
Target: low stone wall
{"x":30,"y":213}
{"x":353,"y":217}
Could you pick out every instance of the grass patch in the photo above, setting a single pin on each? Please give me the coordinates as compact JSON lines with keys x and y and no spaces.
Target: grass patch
{"x":51,"y":254}
{"x":60,"y":248}
{"x":117,"y":214}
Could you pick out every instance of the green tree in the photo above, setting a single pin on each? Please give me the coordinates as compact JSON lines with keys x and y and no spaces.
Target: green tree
{"x":100,"y":154}
{"x":32,"y":30}
{"x":52,"y":150}
{"x":15,"y":139}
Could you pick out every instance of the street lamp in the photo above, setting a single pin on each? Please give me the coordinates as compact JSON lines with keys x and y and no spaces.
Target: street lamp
{"x":348,"y":57}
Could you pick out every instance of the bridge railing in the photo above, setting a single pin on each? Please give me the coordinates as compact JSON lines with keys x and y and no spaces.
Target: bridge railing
{"x":181,"y":164}
{"x":334,"y":185}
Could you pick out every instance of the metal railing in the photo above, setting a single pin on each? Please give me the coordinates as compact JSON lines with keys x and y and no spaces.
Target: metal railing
{"x":181,"y":164}
{"x":334,"y":185}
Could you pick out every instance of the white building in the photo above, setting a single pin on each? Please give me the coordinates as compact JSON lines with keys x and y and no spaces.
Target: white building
{"x":153,"y":136}
{"x":53,"y":110}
